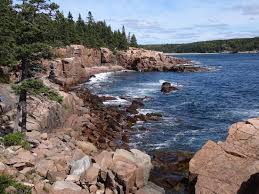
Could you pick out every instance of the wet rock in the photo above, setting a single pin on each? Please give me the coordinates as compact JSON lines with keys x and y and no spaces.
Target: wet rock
{"x":136,"y":104}
{"x":79,"y":167}
{"x":167,"y":87}
{"x":171,"y":170}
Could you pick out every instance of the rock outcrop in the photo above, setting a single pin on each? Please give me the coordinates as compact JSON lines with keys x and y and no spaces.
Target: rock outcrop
{"x":76,"y":63}
{"x":146,"y":60}
{"x":167,"y":87}
{"x":226,"y":167}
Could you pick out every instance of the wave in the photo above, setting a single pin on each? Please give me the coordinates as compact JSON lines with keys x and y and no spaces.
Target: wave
{"x":117,"y":102}
{"x":100,"y":77}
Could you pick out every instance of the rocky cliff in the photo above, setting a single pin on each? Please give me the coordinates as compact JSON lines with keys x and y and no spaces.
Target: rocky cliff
{"x":77,"y":63}
{"x":231,"y":166}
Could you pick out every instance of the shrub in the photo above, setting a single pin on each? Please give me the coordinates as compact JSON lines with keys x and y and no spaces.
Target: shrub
{"x":6,"y":181}
{"x":14,"y":139}
{"x":36,"y":87}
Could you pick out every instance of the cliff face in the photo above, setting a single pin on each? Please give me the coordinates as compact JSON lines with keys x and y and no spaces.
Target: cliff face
{"x":146,"y":60}
{"x":231,"y":166}
{"x":77,"y":63}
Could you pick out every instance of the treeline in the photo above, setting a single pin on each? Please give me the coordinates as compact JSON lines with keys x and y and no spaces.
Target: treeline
{"x":38,"y":24}
{"x":215,"y":46}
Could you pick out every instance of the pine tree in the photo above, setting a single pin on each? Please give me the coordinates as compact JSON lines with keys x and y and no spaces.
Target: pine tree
{"x":133,"y":41}
{"x":31,"y":46}
{"x":7,"y":33}
{"x":90,"y":18}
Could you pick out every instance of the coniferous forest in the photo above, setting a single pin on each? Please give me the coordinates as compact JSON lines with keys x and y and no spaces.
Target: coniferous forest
{"x":214,"y":46}
{"x":30,"y":27}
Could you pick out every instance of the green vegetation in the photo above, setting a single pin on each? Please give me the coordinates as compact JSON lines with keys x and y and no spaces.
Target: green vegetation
{"x":215,"y":46}
{"x":16,"y":139}
{"x":6,"y":181}
{"x":30,"y":27}
{"x":36,"y":87}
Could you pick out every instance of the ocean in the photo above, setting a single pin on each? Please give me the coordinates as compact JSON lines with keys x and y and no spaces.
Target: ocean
{"x":203,"y":108}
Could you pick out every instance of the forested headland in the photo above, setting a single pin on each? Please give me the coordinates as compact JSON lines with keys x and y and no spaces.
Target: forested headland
{"x":215,"y":46}
{"x":33,"y":26}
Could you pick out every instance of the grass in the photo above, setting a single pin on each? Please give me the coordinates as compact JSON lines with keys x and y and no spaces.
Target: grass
{"x":6,"y":181}
{"x":16,"y":139}
{"x":36,"y":87}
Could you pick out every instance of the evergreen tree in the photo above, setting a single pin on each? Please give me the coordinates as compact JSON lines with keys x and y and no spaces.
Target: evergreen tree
{"x":133,"y":41}
{"x":7,"y":33}
{"x":31,"y":46}
{"x":90,"y":18}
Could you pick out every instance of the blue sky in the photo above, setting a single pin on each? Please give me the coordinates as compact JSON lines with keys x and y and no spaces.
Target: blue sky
{"x":173,"y":21}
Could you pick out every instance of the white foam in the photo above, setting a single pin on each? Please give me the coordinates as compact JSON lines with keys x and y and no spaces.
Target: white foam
{"x":172,"y":83}
{"x":117,"y":102}
{"x":145,"y":111}
{"x":100,"y":77}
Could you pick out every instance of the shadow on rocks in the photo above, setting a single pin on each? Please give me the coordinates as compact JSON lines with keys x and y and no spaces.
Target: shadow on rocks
{"x":251,"y":186}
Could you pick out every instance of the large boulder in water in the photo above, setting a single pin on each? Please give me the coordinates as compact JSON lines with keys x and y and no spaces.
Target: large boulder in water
{"x":167,"y":87}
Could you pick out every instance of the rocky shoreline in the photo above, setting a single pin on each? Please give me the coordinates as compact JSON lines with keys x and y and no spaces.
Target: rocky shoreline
{"x":81,"y":146}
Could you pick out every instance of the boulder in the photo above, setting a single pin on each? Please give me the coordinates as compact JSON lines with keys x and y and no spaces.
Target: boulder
{"x":167,"y":87}
{"x":104,"y":160}
{"x":2,"y":168}
{"x":91,"y":175}
{"x":126,"y":174}
{"x":61,"y":185}
{"x":10,"y":190}
{"x":86,"y":147}
{"x":44,"y":166}
{"x":79,"y":167}
{"x":56,"y":176}
{"x":144,"y":165}
{"x":224,"y":167}
{"x":151,"y":188}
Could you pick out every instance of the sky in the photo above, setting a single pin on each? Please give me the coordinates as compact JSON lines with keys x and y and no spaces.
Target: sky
{"x":173,"y":21}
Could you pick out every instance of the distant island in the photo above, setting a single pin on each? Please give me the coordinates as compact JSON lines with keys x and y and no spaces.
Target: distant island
{"x":249,"y":45}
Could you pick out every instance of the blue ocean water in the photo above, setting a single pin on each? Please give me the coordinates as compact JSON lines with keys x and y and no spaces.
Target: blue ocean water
{"x":204,"y":107}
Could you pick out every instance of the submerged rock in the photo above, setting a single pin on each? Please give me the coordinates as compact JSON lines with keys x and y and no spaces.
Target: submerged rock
{"x":167,"y":87}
